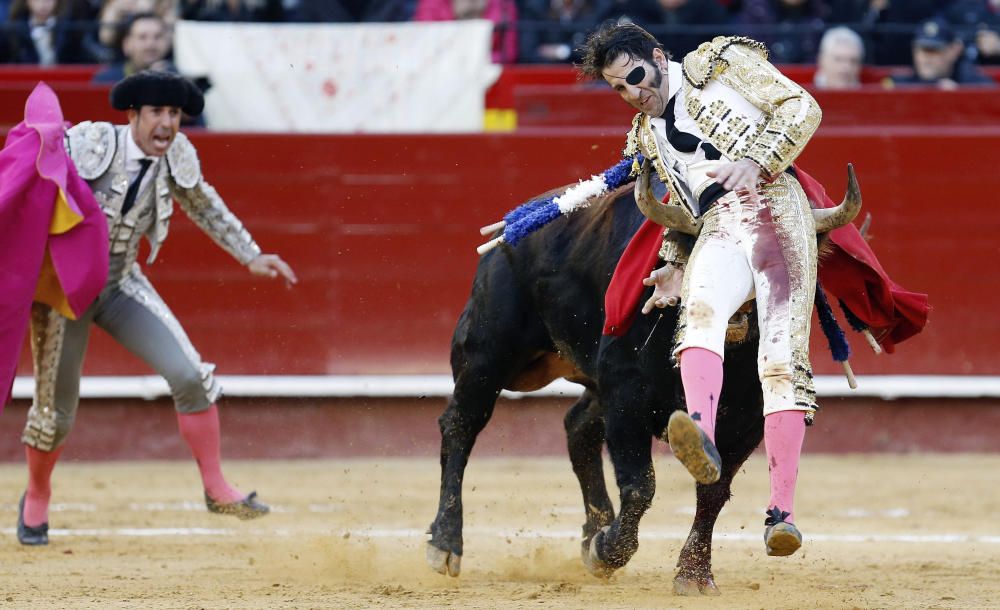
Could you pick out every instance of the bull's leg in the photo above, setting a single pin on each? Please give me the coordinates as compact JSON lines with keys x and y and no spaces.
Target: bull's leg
{"x":585,"y":436}
{"x":630,"y":446}
{"x":694,"y":566}
{"x":468,"y":412}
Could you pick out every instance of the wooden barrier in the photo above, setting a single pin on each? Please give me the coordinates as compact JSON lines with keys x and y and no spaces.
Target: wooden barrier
{"x":872,"y":106}
{"x":382,"y":231}
{"x":80,"y":101}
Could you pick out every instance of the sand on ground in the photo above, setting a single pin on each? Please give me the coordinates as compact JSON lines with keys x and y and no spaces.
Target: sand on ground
{"x":881,"y":531}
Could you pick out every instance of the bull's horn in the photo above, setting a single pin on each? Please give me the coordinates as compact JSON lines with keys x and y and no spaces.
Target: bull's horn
{"x":669,"y":216}
{"x":828,"y":219}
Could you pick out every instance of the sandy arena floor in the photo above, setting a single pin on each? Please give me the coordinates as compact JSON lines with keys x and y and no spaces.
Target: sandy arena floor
{"x":882,"y":531}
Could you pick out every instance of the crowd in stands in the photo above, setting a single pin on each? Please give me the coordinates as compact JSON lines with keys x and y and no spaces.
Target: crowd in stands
{"x":930,"y":35}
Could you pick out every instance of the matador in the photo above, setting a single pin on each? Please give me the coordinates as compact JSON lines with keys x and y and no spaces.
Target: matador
{"x":718,"y":132}
{"x":136,"y":172}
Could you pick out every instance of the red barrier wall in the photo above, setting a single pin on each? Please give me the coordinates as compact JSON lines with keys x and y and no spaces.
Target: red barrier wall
{"x":80,"y":101}
{"x":382,"y":231}
{"x":512,"y":78}
{"x":296,"y":428}
{"x":597,"y":105}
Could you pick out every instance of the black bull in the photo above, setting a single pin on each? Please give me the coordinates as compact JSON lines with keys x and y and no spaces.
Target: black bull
{"x":536,"y":314}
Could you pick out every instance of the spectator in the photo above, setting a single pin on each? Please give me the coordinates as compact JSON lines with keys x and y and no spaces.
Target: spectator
{"x":838,"y":65}
{"x":887,"y":25}
{"x":938,"y":60}
{"x":733,"y":7}
{"x":979,"y":22}
{"x":988,"y":46}
{"x":503,"y":14}
{"x":790,"y":28}
{"x":233,"y":10}
{"x":115,"y":13}
{"x":969,"y":14}
{"x":40,"y":33}
{"x":338,"y":11}
{"x":144,"y":46}
{"x":668,"y":21}
{"x":551,"y":30}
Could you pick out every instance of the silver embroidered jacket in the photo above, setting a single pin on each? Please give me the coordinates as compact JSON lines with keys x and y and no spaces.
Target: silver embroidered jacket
{"x":98,"y":152}
{"x":744,"y":107}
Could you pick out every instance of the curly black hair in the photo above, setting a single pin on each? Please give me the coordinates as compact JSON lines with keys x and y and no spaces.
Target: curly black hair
{"x":612,"y":39}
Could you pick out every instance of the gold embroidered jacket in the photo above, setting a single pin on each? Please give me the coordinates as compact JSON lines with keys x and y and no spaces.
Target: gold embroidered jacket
{"x":745,"y":108}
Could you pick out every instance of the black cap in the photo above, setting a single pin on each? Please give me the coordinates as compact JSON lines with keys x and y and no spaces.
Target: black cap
{"x":934,"y":34}
{"x":155,"y":88}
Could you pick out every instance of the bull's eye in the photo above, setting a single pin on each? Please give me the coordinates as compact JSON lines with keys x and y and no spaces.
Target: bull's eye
{"x":636,"y":76}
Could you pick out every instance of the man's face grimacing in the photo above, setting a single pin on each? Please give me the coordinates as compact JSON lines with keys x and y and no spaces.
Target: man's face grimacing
{"x":154,"y":128}
{"x":640,"y":83}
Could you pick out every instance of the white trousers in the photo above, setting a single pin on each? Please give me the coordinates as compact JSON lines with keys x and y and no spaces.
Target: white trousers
{"x":757,"y":245}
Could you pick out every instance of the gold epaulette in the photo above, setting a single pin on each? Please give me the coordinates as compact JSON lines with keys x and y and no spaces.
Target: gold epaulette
{"x":706,"y":61}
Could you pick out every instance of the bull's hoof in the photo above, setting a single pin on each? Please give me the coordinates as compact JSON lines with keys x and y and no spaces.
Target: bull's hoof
{"x":443,"y":562}
{"x":693,"y":448}
{"x":593,"y":562}
{"x":691,"y":587}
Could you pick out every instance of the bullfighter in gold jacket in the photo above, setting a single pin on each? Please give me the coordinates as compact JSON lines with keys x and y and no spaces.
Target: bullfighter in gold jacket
{"x":719,"y":132}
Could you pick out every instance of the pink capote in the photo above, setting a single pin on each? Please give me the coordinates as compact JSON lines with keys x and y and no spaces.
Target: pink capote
{"x":53,"y":235}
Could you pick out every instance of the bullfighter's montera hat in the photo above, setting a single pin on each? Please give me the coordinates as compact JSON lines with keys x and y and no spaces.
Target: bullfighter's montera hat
{"x":155,"y":88}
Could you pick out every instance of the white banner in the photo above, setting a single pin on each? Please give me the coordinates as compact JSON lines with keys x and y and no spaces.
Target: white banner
{"x":399,"y":77}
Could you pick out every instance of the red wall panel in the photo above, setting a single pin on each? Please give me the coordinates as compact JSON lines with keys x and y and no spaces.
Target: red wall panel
{"x":80,"y":101}
{"x":597,"y":105}
{"x":382,"y":231}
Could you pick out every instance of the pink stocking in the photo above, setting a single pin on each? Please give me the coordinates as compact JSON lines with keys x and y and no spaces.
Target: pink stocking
{"x":36,"y":499}
{"x":784,"y":432}
{"x":201,"y":431}
{"x":701,"y":373}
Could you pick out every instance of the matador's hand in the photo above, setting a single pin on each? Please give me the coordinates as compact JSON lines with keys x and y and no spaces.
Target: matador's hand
{"x":667,"y":280}
{"x":737,"y":174}
{"x":271,"y":265}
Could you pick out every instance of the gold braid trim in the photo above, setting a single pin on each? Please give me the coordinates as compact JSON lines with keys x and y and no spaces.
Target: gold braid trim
{"x":793,"y":114}
{"x":632,"y":144}
{"x":700,"y":65}
{"x":676,"y":248}
{"x":642,"y":139}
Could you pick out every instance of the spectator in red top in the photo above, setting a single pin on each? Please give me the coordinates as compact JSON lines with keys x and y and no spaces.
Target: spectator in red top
{"x":503,"y":14}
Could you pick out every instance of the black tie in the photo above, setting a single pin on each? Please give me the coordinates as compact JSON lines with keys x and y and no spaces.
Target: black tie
{"x":133,"y":189}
